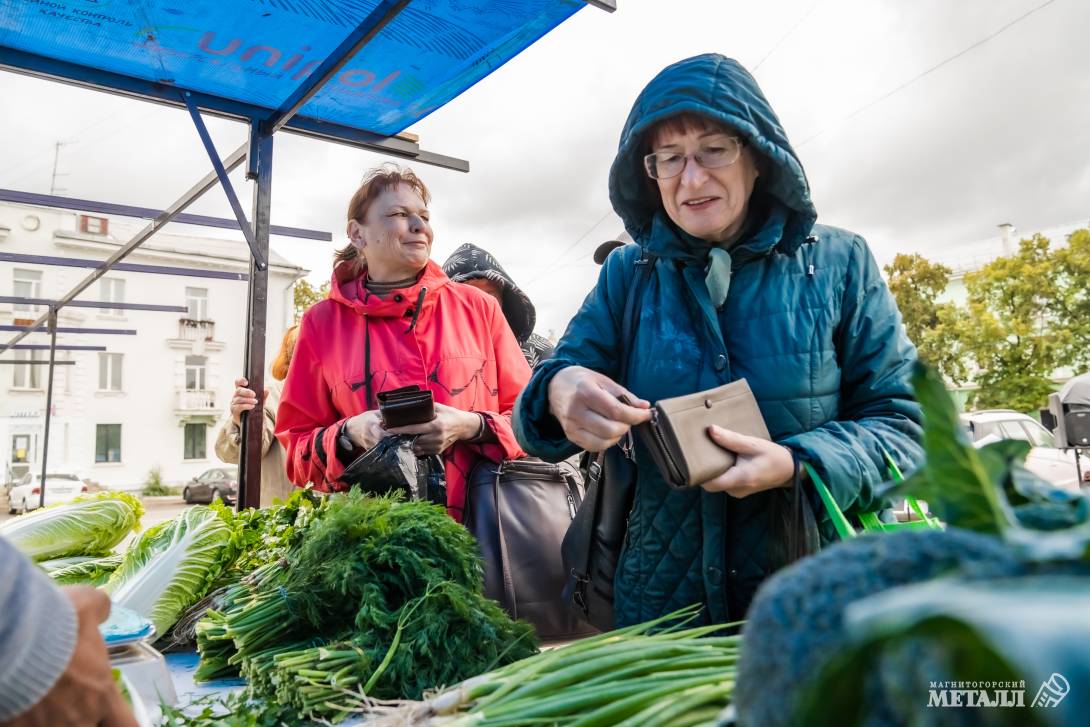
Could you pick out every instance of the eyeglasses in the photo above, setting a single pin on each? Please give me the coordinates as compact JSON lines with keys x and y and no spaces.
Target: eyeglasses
{"x":722,"y":152}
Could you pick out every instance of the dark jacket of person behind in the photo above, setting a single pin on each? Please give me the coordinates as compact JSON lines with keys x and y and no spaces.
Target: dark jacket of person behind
{"x":471,"y":265}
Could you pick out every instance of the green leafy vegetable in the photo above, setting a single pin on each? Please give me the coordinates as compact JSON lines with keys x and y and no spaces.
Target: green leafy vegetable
{"x":959,"y":482}
{"x":988,"y":489}
{"x":1019,"y":630}
{"x":233,"y":710}
{"x":261,"y":536}
{"x":89,"y":525}
{"x":58,"y":563}
{"x":441,"y":637}
{"x":172,"y":566}
{"x":93,"y":572}
{"x":378,"y":598}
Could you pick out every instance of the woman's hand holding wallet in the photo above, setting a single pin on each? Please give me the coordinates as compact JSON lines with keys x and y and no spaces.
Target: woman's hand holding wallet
{"x":759,"y":464}
{"x":450,"y":425}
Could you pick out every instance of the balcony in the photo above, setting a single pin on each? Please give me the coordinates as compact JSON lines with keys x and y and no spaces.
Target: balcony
{"x":191,"y":330}
{"x":196,"y":402}
{"x":196,"y":335}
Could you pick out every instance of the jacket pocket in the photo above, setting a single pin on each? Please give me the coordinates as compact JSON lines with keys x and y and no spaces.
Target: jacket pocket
{"x":465,"y":382}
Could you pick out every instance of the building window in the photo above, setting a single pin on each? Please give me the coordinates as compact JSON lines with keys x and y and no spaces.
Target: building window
{"x":93,"y":225}
{"x":20,"y":449}
{"x":107,"y":443}
{"x":196,"y":368}
{"x":27,"y":376}
{"x":196,"y":300}
{"x":109,"y":371}
{"x":195,"y":441}
{"x":112,"y":290}
{"x":27,"y":284}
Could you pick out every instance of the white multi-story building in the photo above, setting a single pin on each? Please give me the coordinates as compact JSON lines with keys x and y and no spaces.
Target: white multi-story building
{"x":150,"y":400}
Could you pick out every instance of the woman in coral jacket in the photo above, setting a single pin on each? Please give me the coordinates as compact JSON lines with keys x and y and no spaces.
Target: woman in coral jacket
{"x":389,"y":296}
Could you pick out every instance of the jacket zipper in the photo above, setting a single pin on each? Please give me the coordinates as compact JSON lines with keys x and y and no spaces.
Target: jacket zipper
{"x":656,"y":431}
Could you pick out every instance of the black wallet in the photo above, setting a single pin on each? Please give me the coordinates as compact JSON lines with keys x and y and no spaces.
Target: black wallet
{"x":406,"y":406}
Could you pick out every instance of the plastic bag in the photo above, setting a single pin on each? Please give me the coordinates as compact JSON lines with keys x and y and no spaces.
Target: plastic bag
{"x":392,"y":466}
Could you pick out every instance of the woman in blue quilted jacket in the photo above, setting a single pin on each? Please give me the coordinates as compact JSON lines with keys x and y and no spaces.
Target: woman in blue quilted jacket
{"x":744,"y":285}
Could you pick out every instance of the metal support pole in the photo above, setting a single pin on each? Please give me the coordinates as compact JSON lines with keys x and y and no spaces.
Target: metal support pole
{"x":48,"y":399}
{"x":225,"y":181}
{"x":253,"y":422}
{"x":1078,"y":466}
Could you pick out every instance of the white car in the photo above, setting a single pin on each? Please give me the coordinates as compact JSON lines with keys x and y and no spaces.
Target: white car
{"x":59,"y":487}
{"x":1044,"y":460}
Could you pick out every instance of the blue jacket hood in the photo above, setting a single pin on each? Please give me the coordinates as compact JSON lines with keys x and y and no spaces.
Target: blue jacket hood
{"x":720,"y":88}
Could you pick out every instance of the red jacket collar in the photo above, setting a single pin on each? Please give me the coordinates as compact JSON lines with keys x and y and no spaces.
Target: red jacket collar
{"x":347,"y":289}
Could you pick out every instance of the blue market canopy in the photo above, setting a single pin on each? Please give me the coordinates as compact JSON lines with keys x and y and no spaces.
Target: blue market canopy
{"x":249,"y":58}
{"x":353,"y":71}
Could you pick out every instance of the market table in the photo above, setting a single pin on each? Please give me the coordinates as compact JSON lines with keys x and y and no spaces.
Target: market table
{"x":182,"y":665}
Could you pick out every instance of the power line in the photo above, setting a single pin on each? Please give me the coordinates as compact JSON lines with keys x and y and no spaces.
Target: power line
{"x":927,"y":72}
{"x":785,"y":36}
{"x":568,"y":249}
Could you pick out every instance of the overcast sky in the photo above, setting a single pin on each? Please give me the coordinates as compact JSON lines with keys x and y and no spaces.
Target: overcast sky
{"x":1000,"y":133}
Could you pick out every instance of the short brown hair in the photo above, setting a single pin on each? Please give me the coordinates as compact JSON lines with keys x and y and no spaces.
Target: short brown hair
{"x":682,"y":123}
{"x":375,"y":182}
{"x":287,"y":350}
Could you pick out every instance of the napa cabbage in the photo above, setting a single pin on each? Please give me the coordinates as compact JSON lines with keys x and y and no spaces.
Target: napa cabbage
{"x":90,"y":525}
{"x":90,"y":572}
{"x":172,"y":565}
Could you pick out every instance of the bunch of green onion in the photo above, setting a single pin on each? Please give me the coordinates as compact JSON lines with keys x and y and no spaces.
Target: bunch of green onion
{"x":220,"y":655}
{"x":631,"y":677}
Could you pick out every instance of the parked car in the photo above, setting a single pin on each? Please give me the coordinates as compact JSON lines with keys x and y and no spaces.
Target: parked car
{"x":59,"y":487}
{"x":219,"y":483}
{"x":1045,"y":460}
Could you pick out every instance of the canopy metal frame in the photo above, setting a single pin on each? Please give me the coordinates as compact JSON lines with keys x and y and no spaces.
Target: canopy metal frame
{"x":53,"y":329}
{"x":257,"y":152}
{"x":146,"y":213}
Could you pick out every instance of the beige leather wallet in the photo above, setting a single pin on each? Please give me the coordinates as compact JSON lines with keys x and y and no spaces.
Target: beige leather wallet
{"x":677,"y":434}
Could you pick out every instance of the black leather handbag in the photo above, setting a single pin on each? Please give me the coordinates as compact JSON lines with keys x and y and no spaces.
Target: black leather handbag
{"x":592,"y":545}
{"x":519,"y":511}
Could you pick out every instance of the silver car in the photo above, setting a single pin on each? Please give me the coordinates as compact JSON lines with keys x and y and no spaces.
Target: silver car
{"x":1045,"y":460}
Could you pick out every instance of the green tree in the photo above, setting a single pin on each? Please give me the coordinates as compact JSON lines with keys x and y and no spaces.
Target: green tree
{"x":1015,"y":333}
{"x":935,"y":328}
{"x":1073,"y":266}
{"x":306,"y":295}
